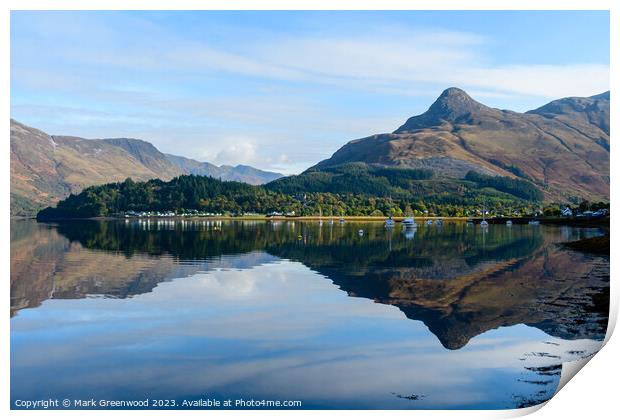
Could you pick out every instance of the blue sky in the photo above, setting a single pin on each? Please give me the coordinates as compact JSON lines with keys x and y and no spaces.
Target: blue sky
{"x":284,"y":90}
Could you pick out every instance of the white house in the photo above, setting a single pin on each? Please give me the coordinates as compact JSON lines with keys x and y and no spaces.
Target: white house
{"x":567,"y":212}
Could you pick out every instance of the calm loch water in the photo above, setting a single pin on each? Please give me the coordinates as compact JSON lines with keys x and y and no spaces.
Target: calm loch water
{"x":439,"y":317}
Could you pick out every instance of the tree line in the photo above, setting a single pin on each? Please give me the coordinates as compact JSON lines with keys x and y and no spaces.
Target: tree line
{"x":412,"y":192}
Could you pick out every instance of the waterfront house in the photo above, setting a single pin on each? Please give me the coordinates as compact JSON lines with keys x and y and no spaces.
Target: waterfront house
{"x":567,"y":212}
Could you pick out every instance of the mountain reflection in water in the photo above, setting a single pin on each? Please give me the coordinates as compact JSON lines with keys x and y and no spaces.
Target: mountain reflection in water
{"x":460,"y":281}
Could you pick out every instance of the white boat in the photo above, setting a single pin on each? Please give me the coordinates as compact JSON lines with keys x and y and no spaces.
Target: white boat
{"x":360,"y":232}
{"x":533,"y":222}
{"x":389,"y":223}
{"x":409,"y":223}
{"x":341,"y":220}
{"x":508,"y":222}
{"x":439,"y":222}
{"x":331,"y":221}
{"x":484,"y":223}
{"x":429,"y":223}
{"x":470,"y":222}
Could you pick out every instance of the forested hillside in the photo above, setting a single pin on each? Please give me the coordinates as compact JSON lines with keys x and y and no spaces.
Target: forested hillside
{"x":191,"y":192}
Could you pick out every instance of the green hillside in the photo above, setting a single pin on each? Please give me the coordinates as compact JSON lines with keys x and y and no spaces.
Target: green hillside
{"x":354,"y":190}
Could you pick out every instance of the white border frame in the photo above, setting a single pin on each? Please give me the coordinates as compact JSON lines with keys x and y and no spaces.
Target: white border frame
{"x":592,"y":394}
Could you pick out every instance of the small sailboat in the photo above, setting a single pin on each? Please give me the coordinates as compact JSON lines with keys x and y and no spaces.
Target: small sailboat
{"x":390,"y":222}
{"x":508,"y":222}
{"x":429,"y":223}
{"x":470,"y":222}
{"x":360,"y":232}
{"x":331,"y":221}
{"x":341,"y":221}
{"x":484,"y":223}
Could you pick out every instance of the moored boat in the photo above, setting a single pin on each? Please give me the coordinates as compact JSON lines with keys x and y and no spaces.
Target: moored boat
{"x":484,"y":223}
{"x":409,"y":223}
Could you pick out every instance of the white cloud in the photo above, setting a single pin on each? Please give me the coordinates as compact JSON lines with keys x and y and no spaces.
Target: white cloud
{"x":239,"y":151}
{"x":552,"y":81}
{"x":408,"y":63}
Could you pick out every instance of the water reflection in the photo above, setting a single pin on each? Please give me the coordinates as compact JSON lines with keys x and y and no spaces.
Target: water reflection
{"x":250,"y":308}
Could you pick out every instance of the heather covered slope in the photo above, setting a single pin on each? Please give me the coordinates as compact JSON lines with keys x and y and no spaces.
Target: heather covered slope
{"x":562,"y":147}
{"x":576,"y":112}
{"x":45,"y":169}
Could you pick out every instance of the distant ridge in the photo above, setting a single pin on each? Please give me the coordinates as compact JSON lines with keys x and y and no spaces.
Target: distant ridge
{"x":242,"y":173}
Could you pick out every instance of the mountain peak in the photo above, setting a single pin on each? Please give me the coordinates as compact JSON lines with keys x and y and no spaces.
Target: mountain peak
{"x":454,"y":92}
{"x":453,"y":105}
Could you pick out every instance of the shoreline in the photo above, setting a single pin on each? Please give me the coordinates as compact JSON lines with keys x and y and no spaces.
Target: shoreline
{"x":597,"y":245}
{"x":576,"y":222}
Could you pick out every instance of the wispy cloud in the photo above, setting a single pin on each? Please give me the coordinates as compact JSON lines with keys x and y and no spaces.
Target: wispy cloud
{"x":245,"y":92}
{"x":401,"y":62}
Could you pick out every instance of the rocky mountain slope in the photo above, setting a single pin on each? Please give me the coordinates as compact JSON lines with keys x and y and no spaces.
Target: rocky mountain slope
{"x":562,"y":147}
{"x":46,"y":168}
